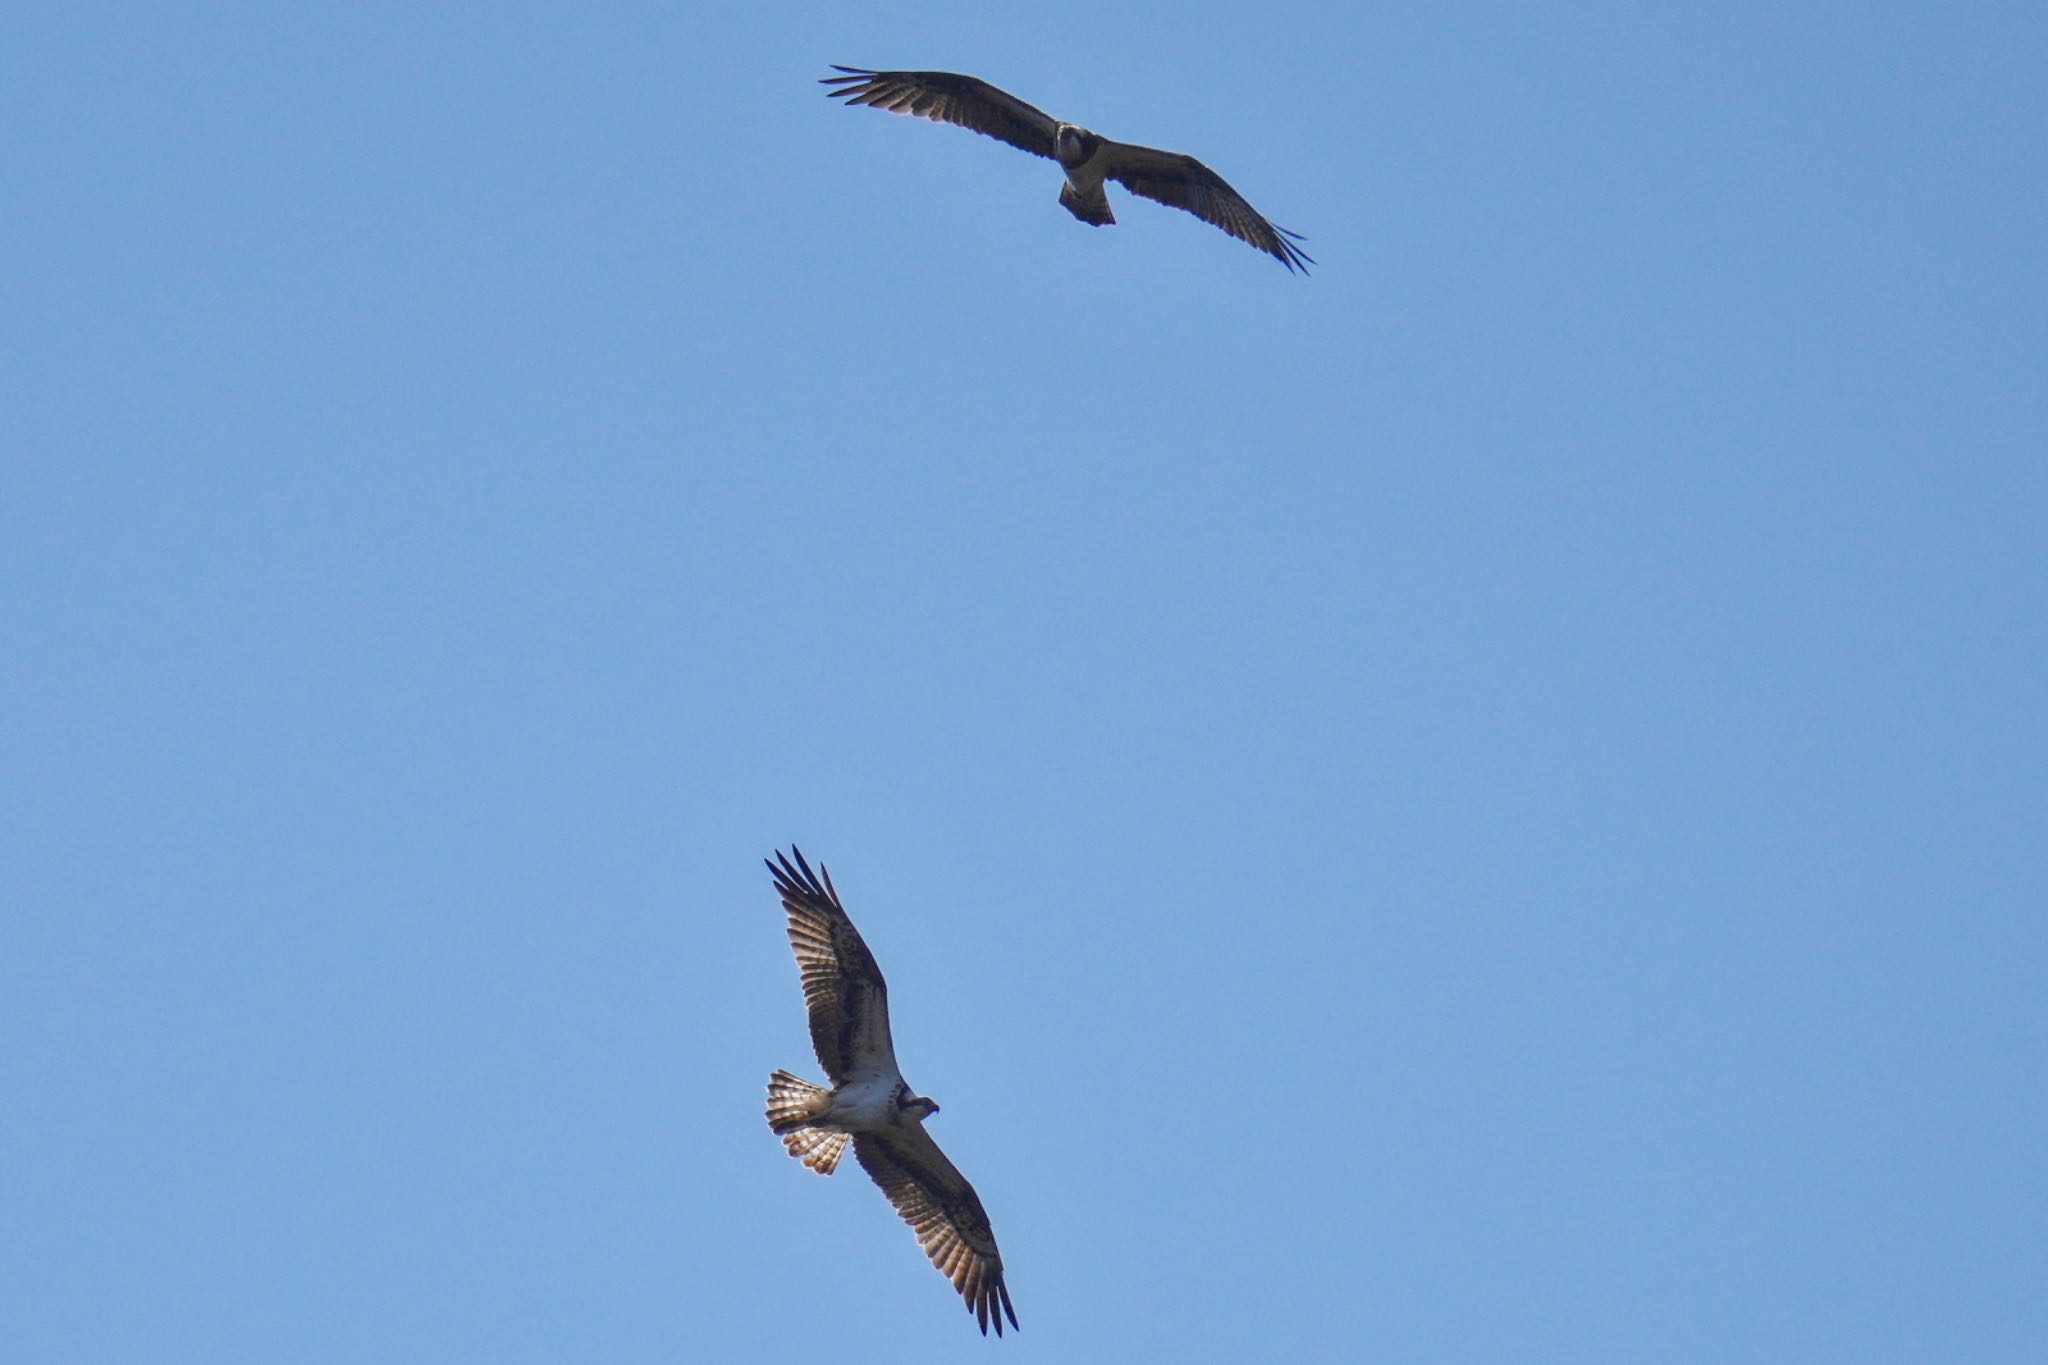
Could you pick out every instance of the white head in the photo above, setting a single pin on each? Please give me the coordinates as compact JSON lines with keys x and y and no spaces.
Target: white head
{"x":1073,"y":145}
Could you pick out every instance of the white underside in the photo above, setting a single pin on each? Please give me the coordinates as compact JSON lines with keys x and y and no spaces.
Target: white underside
{"x":863,"y":1104}
{"x":1086,"y":178}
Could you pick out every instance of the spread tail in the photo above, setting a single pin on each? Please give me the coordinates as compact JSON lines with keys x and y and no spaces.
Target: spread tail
{"x":1092,"y":207}
{"x":792,"y":1103}
{"x":816,"y":1148}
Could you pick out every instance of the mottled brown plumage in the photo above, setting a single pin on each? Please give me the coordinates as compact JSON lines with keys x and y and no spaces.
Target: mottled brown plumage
{"x":945,"y":1213}
{"x":870,"y":1103}
{"x":843,"y":988}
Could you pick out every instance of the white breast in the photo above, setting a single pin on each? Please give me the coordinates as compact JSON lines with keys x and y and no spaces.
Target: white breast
{"x":1087,"y":177}
{"x":863,"y":1103}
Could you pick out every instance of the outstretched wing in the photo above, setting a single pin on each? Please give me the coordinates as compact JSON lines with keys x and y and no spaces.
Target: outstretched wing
{"x":843,"y":988}
{"x":947,"y":98}
{"x":942,"y":1208}
{"x":1178,"y":179}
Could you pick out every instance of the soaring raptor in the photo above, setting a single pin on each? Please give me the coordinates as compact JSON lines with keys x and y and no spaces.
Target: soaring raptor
{"x":1088,"y":159}
{"x":869,"y":1101}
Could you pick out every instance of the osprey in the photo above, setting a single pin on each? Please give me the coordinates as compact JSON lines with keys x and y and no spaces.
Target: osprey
{"x":1088,"y":159}
{"x":869,"y":1101}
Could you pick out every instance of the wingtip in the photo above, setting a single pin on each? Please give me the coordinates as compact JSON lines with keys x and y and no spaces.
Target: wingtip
{"x":798,"y":854}
{"x":799,"y":879}
{"x":1286,"y":252}
{"x":990,"y":1304}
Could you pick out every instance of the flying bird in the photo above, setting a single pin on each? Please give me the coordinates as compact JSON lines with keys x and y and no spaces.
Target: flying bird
{"x":869,"y":1101}
{"x":1087,"y":158}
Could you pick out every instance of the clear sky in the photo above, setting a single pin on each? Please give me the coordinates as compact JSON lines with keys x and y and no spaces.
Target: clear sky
{"x":1487,"y":804}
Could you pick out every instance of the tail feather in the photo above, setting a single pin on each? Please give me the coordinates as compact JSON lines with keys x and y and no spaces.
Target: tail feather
{"x":816,"y":1148}
{"x":792,"y":1101}
{"x":792,"y":1104}
{"x":1091,"y":208}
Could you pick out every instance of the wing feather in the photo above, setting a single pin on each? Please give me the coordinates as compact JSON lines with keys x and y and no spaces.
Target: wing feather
{"x":845,"y":995}
{"x":942,"y":1209}
{"x":1178,"y":180}
{"x":945,"y":97}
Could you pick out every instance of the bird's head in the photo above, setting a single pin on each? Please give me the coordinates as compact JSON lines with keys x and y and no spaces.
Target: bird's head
{"x":1073,"y":145}
{"x":918,"y":1107}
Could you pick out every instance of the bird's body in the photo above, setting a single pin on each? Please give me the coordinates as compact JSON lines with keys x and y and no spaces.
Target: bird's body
{"x":1088,"y":159}
{"x":869,"y":1103}
{"x":1085,"y":159}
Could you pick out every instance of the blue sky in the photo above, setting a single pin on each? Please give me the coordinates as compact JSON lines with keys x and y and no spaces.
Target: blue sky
{"x":1488,"y":804}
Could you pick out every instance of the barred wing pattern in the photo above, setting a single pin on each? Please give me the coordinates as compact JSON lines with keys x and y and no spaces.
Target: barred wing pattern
{"x":945,"y":1213}
{"x":844,"y":992}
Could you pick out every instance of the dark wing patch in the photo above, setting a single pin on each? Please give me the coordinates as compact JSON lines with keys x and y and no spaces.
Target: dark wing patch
{"x":943,"y":1210}
{"x":1185,"y":183}
{"x":947,"y":98}
{"x":843,"y":988}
